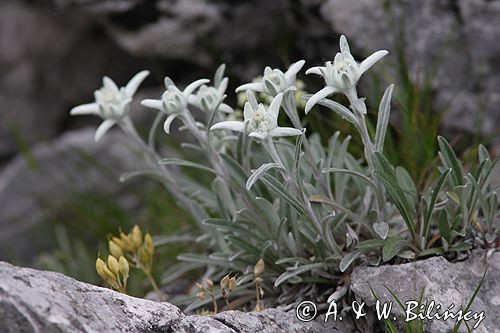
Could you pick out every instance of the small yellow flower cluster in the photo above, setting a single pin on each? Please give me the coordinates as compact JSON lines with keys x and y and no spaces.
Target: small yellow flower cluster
{"x":128,"y":250}
{"x":115,"y":272}
{"x":138,"y":249}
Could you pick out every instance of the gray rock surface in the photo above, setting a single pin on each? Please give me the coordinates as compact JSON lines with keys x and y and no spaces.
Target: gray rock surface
{"x":444,"y":282}
{"x":53,"y":53}
{"x":50,"y":174}
{"x":47,"y":302}
{"x":459,"y":36}
{"x":50,"y":60}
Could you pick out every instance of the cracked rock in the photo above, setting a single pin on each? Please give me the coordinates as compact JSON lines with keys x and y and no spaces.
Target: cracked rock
{"x":48,"y":302}
{"x":444,"y":282}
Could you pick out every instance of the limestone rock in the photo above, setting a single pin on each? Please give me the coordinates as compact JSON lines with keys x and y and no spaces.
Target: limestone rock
{"x":50,"y":174}
{"x":444,"y":282}
{"x":47,"y":302}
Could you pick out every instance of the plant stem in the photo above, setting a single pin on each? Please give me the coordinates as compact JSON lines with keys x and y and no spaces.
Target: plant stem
{"x":368,"y":150}
{"x":214,"y":302}
{"x":258,"y":306}
{"x":226,"y":299}
{"x":160,"y":294}
{"x":290,"y":107}
{"x":271,"y":150}
{"x":202,"y":139}
{"x":171,"y":185}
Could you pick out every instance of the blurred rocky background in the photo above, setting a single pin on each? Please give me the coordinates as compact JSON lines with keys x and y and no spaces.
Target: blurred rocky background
{"x":57,"y":185}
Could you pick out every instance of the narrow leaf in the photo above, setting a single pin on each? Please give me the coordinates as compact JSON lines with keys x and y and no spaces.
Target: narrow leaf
{"x":258,"y":173}
{"x":384,"y":112}
{"x":181,"y":162}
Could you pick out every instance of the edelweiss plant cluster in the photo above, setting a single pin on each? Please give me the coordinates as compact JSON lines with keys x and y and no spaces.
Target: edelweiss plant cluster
{"x":279,"y":196}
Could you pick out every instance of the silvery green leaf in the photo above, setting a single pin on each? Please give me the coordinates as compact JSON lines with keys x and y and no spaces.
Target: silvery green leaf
{"x":132,"y":174}
{"x":450,"y":160}
{"x":277,"y":188}
{"x":314,"y":99}
{"x":271,"y":214}
{"x":406,"y":254}
{"x":219,"y":74}
{"x":460,"y":247}
{"x":354,"y":173}
{"x":407,"y":185}
{"x":244,"y":243}
{"x":181,"y":162}
{"x":348,"y":259}
{"x":339,"y":109}
{"x":435,"y":192}
{"x":338,"y":294}
{"x":392,"y":247}
{"x":176,"y":271}
{"x":237,"y":173}
{"x":258,"y":173}
{"x":490,"y":238}
{"x":384,"y":112}
{"x":483,"y":153}
{"x":301,"y":269}
{"x":382,"y":229}
{"x":370,"y":245}
{"x":453,"y":196}
{"x":328,"y":228}
{"x":387,"y":175}
{"x":154,"y":128}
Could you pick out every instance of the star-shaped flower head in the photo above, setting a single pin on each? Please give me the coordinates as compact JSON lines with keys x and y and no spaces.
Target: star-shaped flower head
{"x":275,"y":81}
{"x":342,"y":74}
{"x":173,"y":101}
{"x":210,"y":97}
{"x":261,"y":122}
{"x":111,"y":103}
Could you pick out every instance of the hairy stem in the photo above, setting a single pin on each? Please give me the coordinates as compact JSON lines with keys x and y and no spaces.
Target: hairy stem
{"x":369,"y":150}
{"x":290,"y":107}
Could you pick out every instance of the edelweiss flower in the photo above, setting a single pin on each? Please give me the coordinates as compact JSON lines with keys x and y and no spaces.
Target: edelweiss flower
{"x":275,"y":81}
{"x":111,"y":103}
{"x":208,"y":98}
{"x":173,"y":101}
{"x":343,"y":74}
{"x":261,"y":122}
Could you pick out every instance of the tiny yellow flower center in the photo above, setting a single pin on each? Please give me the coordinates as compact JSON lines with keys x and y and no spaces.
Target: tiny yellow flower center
{"x":108,"y":96}
{"x":258,"y":116}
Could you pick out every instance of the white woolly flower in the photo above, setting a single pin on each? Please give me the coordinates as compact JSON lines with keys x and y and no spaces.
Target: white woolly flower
{"x":173,"y":101}
{"x":342,"y":74}
{"x":261,"y":122}
{"x":111,"y":103}
{"x":275,"y":81}
{"x":208,"y":98}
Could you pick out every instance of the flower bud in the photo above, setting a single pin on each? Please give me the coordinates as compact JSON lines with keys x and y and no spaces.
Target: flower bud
{"x":126,"y":240}
{"x":210,"y":283}
{"x":224,"y":283}
{"x":118,"y":241}
{"x":148,"y":242}
{"x":115,"y":249}
{"x":200,"y":295}
{"x":105,"y":273}
{"x":259,"y":267}
{"x":100,"y":266}
{"x":137,"y":236}
{"x":124,"y":267}
{"x":113,"y":265}
{"x":232,"y":284}
{"x":144,"y":258}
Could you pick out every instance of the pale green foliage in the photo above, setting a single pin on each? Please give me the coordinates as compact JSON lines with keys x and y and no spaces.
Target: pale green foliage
{"x":309,"y":211}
